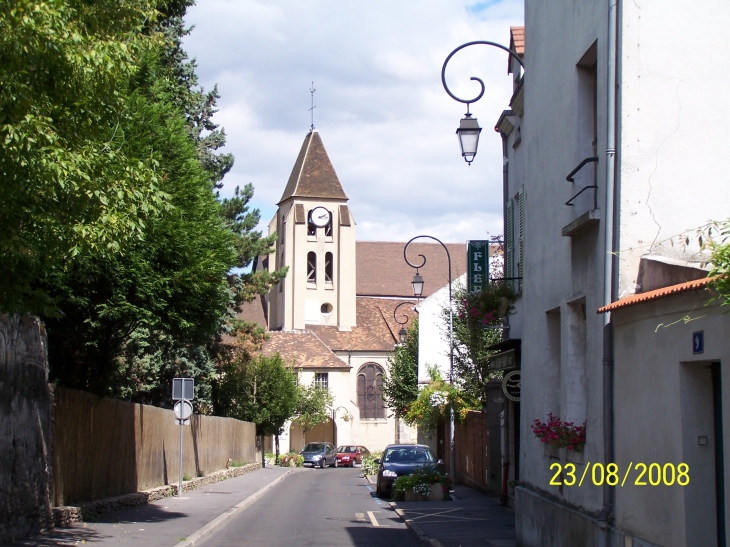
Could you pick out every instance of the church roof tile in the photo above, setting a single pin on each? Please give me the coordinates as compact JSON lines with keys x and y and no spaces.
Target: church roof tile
{"x":382,"y":271}
{"x":313,"y":175}
{"x":302,"y":348}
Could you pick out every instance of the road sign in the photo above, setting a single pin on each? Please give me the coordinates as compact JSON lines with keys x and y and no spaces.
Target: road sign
{"x":183,"y":410}
{"x":183,"y":389}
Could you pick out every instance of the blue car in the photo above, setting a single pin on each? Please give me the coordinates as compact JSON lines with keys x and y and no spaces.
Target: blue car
{"x":319,"y":455}
{"x":401,"y":459}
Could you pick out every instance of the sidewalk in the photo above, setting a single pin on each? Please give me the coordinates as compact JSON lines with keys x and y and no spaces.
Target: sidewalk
{"x":473,"y":519}
{"x":162,"y":523}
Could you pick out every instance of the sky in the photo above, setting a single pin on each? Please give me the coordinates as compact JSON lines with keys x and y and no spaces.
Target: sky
{"x":380,"y":108}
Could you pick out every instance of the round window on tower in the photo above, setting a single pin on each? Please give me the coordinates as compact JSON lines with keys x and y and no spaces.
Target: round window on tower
{"x":326,"y":308}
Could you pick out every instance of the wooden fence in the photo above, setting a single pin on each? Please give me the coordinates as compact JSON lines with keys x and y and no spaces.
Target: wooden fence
{"x":105,"y":447}
{"x":477,"y":446}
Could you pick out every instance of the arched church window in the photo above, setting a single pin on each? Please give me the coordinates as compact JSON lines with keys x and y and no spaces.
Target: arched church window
{"x":328,"y":268}
{"x":312,"y":267}
{"x":370,"y":392}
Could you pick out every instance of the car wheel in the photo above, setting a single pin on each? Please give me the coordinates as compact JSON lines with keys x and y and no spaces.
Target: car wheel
{"x":379,"y":492}
{"x":335,"y":466}
{"x":323,"y":463}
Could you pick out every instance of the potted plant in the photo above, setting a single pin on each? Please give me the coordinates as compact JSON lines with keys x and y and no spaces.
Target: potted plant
{"x":559,"y":434}
{"x":489,"y":305}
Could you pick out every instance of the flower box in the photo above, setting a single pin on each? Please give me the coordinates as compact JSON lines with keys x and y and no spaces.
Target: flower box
{"x":436,"y":494}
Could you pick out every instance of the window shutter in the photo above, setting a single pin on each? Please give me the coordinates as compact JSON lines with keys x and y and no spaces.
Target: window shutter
{"x":509,"y":240}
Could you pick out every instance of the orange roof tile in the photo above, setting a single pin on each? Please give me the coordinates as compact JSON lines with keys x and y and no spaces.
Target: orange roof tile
{"x":656,"y":294}
{"x":517,"y":39}
{"x":376,"y":329}
{"x":382,"y":271}
{"x":302,"y":349}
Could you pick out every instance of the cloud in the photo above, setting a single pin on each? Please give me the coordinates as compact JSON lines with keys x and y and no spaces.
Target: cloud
{"x":381,"y":110}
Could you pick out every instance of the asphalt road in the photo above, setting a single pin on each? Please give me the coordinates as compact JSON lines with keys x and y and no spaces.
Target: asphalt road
{"x":316,"y":507}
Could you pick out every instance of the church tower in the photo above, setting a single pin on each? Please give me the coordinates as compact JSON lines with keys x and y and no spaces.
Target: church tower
{"x":317,"y":242}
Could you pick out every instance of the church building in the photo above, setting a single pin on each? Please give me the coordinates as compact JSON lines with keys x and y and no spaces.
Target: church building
{"x":332,"y":316}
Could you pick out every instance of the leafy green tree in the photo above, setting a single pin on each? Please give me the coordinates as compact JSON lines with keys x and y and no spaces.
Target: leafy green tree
{"x":262,"y":390}
{"x":720,"y":260}
{"x":172,"y":281}
{"x":313,"y":406}
{"x":400,"y":388}
{"x":68,"y":186}
{"x":471,"y":340}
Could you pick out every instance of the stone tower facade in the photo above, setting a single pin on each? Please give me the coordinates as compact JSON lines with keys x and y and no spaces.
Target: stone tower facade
{"x":319,"y":288}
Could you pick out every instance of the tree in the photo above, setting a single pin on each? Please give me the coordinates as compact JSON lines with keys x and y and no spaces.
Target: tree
{"x":68,"y":187}
{"x":171,"y":282}
{"x":400,"y":388}
{"x":471,"y":340}
{"x":720,"y":260}
{"x":313,"y":406}
{"x":262,"y":390}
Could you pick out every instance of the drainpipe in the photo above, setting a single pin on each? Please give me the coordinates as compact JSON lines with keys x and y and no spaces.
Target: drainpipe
{"x":609,"y":288}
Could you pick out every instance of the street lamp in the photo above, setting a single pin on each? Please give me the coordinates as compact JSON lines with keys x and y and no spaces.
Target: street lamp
{"x":418,"y":291}
{"x":417,"y":282}
{"x":468,"y":131}
{"x":402,"y":333}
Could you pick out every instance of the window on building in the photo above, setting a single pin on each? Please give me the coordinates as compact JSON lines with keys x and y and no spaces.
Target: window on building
{"x":321,"y":380}
{"x":311,"y":227}
{"x":328,"y":228}
{"x":370,"y":392}
{"x":312,"y":267}
{"x":328,"y":267}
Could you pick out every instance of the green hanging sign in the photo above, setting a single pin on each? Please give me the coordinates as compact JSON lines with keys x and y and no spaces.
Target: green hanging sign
{"x":477,"y":264}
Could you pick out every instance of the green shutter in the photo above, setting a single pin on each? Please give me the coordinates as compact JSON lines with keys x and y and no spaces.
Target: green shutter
{"x":509,"y":240}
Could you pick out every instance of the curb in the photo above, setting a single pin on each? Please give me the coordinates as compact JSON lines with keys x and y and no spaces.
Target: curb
{"x":220,"y":519}
{"x":66,"y":515}
{"x":415,"y":528}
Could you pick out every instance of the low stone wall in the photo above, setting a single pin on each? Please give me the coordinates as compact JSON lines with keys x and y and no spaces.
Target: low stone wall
{"x":25,"y":428}
{"x":67,"y":515}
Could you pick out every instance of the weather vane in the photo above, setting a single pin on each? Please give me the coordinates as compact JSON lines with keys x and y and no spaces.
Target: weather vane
{"x":312,"y":90}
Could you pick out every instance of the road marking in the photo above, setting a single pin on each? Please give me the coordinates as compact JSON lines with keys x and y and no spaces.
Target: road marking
{"x":369,"y":487}
{"x":360,"y":517}
{"x":375,"y":521}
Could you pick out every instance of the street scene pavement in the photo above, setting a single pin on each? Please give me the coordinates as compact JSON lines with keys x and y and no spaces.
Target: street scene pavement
{"x":165,"y":522}
{"x":471,"y":519}
{"x":279,"y":506}
{"x":316,"y":507}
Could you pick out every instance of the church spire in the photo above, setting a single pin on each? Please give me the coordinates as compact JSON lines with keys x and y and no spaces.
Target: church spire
{"x":313,"y":175}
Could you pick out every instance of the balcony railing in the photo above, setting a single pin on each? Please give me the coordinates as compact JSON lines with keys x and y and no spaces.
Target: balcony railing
{"x":594,"y":187}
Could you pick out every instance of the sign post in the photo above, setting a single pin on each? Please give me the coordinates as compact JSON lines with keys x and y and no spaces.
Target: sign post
{"x":183,"y":391}
{"x":477,"y":264}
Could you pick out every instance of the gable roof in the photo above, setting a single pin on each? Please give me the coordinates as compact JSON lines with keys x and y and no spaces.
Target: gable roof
{"x":376,"y":329}
{"x":303,"y":349}
{"x":382,"y":270}
{"x":313,"y":175}
{"x":658,"y":293}
{"x":516,"y":44}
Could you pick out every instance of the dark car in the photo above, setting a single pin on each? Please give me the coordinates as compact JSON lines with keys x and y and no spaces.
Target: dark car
{"x":351,"y":455}
{"x":319,"y":454}
{"x":401,"y":459}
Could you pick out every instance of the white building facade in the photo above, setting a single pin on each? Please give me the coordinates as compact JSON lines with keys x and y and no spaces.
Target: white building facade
{"x":636,"y":187}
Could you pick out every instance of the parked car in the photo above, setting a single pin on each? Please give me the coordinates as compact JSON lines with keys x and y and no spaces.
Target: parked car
{"x":349,"y":455}
{"x":319,"y":454}
{"x":401,"y":459}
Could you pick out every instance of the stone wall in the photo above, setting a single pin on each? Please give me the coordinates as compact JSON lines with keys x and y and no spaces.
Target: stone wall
{"x":25,"y":428}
